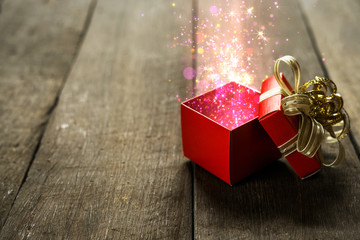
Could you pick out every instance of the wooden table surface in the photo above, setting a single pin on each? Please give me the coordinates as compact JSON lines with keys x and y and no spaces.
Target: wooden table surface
{"x":90,"y":139}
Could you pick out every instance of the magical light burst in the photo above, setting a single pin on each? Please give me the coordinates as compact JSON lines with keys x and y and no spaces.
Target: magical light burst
{"x":227,"y":39}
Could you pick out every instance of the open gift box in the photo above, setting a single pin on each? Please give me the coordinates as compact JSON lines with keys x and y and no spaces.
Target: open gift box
{"x":221,"y":132}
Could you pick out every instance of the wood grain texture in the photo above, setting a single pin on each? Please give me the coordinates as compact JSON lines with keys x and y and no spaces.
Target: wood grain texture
{"x":110,"y":165}
{"x":274,"y":203}
{"x":335,"y":26}
{"x":38,"y":42}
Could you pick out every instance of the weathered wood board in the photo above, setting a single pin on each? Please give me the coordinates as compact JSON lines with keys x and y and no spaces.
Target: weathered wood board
{"x":274,"y":203}
{"x":38,"y":42}
{"x":335,"y":27}
{"x":110,"y":164}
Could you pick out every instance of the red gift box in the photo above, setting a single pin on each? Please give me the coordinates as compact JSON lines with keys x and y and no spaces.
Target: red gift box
{"x":282,"y":128}
{"x":221,"y":132}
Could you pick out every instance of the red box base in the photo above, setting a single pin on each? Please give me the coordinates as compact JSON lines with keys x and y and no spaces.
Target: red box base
{"x":221,"y":133}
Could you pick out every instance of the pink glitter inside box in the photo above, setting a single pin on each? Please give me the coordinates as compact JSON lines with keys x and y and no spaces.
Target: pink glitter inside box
{"x":230,"y":105}
{"x":221,"y":132}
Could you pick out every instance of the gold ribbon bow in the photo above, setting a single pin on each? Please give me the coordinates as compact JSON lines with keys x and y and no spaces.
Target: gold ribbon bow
{"x":320,"y":108}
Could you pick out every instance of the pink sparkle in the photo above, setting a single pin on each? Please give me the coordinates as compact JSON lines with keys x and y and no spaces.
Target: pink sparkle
{"x":189,"y":73}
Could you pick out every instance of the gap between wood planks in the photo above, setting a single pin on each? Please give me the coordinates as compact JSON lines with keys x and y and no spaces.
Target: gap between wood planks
{"x":195,"y":11}
{"x":87,"y":22}
{"x":323,"y":66}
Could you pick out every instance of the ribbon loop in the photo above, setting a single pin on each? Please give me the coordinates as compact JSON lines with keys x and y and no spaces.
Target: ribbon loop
{"x":321,"y":110}
{"x":311,"y":133}
{"x":295,"y":68}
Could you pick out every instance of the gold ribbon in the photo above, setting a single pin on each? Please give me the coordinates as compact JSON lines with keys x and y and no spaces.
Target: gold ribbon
{"x":321,"y":111}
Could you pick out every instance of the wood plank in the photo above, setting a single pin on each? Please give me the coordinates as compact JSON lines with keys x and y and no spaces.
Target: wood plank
{"x":110,"y":164}
{"x":38,"y":42}
{"x":274,"y":203}
{"x":335,"y":27}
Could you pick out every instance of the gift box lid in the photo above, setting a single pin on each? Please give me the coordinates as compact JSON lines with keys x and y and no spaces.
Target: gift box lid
{"x":282,"y":128}
{"x":271,"y":108}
